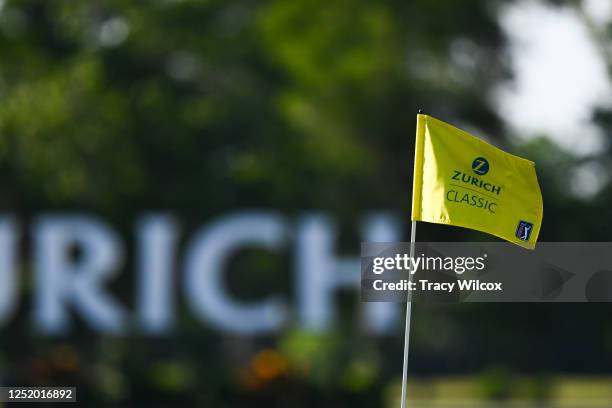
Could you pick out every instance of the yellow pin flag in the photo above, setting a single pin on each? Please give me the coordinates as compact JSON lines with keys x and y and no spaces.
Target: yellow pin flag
{"x":461,"y":180}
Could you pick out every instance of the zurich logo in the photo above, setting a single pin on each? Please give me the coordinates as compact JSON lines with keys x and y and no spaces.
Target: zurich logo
{"x":480,"y":166}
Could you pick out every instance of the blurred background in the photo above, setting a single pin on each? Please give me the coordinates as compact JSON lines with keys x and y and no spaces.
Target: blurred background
{"x":184,"y":186}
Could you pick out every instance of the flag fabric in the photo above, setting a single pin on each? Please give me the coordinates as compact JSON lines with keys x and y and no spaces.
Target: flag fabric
{"x":461,"y":180}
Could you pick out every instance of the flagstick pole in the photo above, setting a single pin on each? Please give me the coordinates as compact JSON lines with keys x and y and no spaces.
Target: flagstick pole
{"x":408,"y":315}
{"x":409,"y":294}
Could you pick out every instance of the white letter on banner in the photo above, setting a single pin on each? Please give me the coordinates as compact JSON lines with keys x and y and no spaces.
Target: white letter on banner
{"x":61,"y":279}
{"x":8,"y":267}
{"x":204,"y":262}
{"x":320,"y":273}
{"x":157,"y":236}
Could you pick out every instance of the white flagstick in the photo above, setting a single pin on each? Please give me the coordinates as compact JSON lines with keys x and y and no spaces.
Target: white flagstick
{"x":409,"y":294}
{"x":408,"y":314}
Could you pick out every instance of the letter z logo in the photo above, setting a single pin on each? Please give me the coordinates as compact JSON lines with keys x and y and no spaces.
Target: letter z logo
{"x":480,"y":166}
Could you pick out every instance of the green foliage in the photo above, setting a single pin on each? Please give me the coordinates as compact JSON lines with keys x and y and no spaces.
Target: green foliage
{"x":200,"y":107}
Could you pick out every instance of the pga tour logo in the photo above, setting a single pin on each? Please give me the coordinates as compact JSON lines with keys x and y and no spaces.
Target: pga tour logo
{"x":523,"y":231}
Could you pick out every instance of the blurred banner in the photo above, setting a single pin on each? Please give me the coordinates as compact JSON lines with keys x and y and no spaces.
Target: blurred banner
{"x":76,"y":257}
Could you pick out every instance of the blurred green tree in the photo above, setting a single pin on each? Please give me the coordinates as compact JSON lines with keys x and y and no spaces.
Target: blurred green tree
{"x":200,"y":107}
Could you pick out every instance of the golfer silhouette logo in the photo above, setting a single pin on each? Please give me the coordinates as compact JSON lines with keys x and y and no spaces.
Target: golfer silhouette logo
{"x":523,"y":231}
